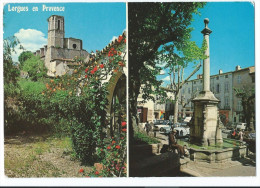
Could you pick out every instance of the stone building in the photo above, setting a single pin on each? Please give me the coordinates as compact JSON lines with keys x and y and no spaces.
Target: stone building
{"x":242,"y":78}
{"x":150,"y":110}
{"x":221,"y":85}
{"x":59,"y":53}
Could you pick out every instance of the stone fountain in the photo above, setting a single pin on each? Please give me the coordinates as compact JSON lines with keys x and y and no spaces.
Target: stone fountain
{"x":205,"y":130}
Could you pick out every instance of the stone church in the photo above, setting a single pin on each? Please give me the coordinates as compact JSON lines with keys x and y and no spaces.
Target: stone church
{"x":59,"y":53}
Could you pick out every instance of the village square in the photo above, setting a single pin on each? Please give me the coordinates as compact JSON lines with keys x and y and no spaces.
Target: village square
{"x":188,"y":122}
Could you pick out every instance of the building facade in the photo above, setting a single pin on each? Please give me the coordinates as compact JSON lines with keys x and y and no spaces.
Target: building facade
{"x":222,"y":85}
{"x":59,"y":53}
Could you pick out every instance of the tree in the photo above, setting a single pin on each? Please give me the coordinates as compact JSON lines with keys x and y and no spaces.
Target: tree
{"x":176,"y":61}
{"x":24,"y":56}
{"x":11,"y":72}
{"x":151,"y":25}
{"x":35,"y":68}
{"x":247,"y":96}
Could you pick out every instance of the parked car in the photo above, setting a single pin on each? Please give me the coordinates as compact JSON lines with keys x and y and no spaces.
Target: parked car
{"x":158,"y":122}
{"x":167,"y":129}
{"x":164,"y":124}
{"x":241,"y":126}
{"x":181,"y":131}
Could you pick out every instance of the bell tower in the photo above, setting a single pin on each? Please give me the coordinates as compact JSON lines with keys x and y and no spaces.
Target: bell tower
{"x":56,"y":31}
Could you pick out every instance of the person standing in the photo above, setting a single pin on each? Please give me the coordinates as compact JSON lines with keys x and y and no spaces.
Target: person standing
{"x":147,"y":127}
{"x":240,"y":134}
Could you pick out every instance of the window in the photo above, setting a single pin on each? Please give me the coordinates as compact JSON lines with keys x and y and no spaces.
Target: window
{"x":226,"y":76}
{"x":217,"y":78}
{"x":74,"y":46}
{"x":58,"y":24}
{"x":189,"y":90}
{"x":217,"y":88}
{"x":238,"y":79}
{"x":239,"y":105}
{"x":194,"y":82}
{"x":226,"y":101}
{"x":226,"y":87}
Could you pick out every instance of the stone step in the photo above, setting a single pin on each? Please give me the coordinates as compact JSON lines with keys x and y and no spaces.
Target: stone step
{"x":156,"y":166}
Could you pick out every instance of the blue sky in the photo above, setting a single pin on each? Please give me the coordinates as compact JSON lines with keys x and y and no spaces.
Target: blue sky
{"x":232,"y":41}
{"x":95,"y":23}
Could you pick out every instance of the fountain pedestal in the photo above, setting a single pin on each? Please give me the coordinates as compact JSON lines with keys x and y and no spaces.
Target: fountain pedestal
{"x":205,"y":129}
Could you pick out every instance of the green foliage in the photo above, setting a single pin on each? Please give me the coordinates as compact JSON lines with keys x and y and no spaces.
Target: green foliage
{"x":24,"y":56}
{"x":11,"y":70}
{"x":142,"y":138}
{"x":247,"y":96}
{"x":113,"y":156}
{"x":150,"y":26}
{"x":29,"y":87}
{"x":35,"y":68}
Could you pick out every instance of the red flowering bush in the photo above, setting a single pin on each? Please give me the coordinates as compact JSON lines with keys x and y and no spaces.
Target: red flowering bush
{"x":114,"y":160}
{"x":81,"y":98}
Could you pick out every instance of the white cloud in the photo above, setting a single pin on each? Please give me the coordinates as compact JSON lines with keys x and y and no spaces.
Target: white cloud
{"x":167,"y":78}
{"x":162,"y":72}
{"x":30,"y":39}
{"x":114,"y":37}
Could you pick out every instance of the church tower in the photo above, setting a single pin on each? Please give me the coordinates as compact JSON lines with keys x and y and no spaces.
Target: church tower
{"x":56,"y":31}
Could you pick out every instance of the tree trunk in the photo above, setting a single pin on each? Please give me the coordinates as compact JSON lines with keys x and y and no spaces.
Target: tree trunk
{"x":176,"y":107}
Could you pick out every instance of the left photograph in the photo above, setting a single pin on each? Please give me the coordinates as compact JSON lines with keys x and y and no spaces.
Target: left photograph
{"x":65,"y":72}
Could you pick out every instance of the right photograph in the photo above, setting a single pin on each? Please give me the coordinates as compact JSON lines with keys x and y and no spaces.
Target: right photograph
{"x":191,"y":89}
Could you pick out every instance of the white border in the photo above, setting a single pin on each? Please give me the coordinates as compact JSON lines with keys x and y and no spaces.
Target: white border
{"x":162,"y":181}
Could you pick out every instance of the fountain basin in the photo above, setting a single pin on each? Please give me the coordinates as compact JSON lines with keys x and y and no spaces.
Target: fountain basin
{"x":229,"y":150}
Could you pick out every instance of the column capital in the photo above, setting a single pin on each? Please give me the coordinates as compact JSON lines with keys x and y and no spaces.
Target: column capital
{"x":206,"y":30}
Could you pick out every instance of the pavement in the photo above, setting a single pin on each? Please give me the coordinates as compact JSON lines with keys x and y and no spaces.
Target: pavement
{"x":242,"y":167}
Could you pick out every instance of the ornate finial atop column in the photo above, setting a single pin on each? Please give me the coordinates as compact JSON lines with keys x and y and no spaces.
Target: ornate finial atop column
{"x":206,"y":30}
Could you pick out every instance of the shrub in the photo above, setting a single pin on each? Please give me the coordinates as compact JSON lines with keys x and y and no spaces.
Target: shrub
{"x":142,"y":138}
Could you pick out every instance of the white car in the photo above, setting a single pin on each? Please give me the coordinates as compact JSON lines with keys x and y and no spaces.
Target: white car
{"x":160,"y":126}
{"x":181,"y":131}
{"x":241,"y":126}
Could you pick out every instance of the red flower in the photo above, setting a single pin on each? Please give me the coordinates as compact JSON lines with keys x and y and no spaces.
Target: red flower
{"x":87,"y":176}
{"x":92,"y":72}
{"x":125,"y":41}
{"x":101,"y":66}
{"x":86,"y":76}
{"x":117,"y":147}
{"x":124,"y":130}
{"x":122,"y":138}
{"x":113,"y":142}
{"x":86,"y":70}
{"x":120,"y":38}
{"x":112,"y":137}
{"x":81,"y":170}
{"x":123,"y":123}
{"x":108,"y":147}
{"x":95,"y":68}
{"x":97,"y":173}
{"x":101,"y":149}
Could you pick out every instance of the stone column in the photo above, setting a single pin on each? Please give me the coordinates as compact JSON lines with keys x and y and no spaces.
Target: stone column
{"x":206,"y":62}
{"x":205,"y":127}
